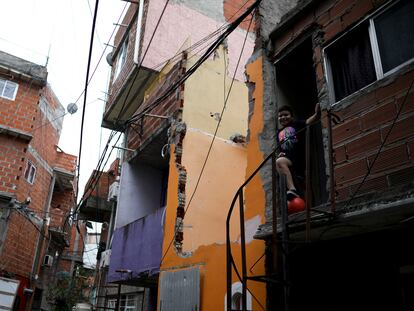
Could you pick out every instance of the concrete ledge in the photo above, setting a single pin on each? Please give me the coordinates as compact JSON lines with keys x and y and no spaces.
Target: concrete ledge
{"x":23,"y":69}
{"x":6,"y":130}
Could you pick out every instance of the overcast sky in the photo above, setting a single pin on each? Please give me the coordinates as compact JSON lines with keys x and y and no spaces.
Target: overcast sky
{"x":33,"y":29}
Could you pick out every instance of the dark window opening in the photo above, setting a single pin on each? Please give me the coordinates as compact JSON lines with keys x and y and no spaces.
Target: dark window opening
{"x":296,"y":87}
{"x":352,"y":64}
{"x":372,"y":49}
{"x":395,"y":35}
{"x":37,"y":299}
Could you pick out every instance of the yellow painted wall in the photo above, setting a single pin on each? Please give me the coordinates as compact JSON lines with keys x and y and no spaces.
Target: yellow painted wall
{"x":205,"y":90}
{"x":204,"y":223}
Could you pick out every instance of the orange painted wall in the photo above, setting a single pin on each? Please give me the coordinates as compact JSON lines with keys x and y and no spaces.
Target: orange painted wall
{"x":204,"y":233}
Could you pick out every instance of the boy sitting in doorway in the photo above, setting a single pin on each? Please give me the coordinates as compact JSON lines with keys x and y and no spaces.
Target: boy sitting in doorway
{"x":291,"y":141}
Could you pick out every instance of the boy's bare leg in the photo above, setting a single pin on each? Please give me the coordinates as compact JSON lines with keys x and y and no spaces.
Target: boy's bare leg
{"x":282,"y":166}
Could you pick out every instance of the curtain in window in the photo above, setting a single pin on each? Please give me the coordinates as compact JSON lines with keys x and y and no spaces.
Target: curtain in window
{"x":352,"y":64}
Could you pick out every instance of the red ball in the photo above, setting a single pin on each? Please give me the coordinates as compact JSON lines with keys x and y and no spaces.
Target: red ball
{"x":296,"y":205}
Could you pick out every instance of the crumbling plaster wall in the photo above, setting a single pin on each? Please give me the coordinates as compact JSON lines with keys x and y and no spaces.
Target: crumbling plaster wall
{"x":270,"y":14}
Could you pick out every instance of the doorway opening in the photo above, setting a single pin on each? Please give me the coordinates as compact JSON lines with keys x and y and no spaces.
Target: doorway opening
{"x":296,"y":87}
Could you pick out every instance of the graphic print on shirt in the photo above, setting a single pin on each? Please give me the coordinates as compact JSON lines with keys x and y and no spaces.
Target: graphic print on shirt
{"x":288,"y":138}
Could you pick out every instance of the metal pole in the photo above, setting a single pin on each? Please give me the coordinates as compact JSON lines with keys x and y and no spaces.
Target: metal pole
{"x":228,"y":262}
{"x":118,"y":297}
{"x":285,"y":241}
{"x":243,"y":252}
{"x":274,"y":212}
{"x":308,"y":184}
{"x":331,"y":169}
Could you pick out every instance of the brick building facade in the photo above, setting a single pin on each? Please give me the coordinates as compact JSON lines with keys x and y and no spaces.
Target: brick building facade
{"x":36,"y":189}
{"x":350,"y":248}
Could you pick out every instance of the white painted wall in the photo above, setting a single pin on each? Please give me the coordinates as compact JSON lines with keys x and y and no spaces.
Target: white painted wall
{"x":139,"y":193}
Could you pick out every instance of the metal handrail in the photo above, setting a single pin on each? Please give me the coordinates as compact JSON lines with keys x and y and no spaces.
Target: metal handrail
{"x":283,"y":206}
{"x":230,"y":261}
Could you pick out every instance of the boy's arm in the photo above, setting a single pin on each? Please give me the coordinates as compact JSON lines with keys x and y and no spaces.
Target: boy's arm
{"x":316,"y":116}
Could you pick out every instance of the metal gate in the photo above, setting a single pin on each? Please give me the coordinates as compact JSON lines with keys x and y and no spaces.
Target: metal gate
{"x":180,"y":290}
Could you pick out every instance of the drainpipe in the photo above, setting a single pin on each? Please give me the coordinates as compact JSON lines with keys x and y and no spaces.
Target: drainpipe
{"x":75,"y":251}
{"x":138,"y":32}
{"x":41,"y":239}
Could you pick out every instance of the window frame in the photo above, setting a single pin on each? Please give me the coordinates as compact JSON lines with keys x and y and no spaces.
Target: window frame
{"x":29,"y":168}
{"x":121,"y":57}
{"x":15,"y":90}
{"x":379,"y":73}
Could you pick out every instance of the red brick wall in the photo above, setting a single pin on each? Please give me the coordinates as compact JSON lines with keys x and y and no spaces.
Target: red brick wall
{"x":65,"y":161}
{"x":167,"y":107}
{"x":24,"y":114}
{"x":60,"y":207}
{"x":12,"y":156}
{"x":20,"y":113}
{"x":234,"y":8}
{"x":368,"y":116}
{"x":116,"y":85}
{"x":19,"y":248}
{"x":102,"y":188}
{"x":366,"y":124}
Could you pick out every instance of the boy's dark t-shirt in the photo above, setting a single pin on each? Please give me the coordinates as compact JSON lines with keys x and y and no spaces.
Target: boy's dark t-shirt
{"x":292,"y":142}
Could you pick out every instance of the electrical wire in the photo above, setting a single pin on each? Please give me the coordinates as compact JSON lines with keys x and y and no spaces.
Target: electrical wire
{"x":102,"y":54}
{"x":86,"y":93}
{"x":381,"y":146}
{"x":141,"y":62}
{"x":229,"y":29}
{"x":192,"y":47}
{"x":200,"y":42}
{"x":140,"y":65}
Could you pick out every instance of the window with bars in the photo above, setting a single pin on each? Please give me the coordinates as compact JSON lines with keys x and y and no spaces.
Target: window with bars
{"x":127,"y":302}
{"x":375,"y":48}
{"x":8,"y":89}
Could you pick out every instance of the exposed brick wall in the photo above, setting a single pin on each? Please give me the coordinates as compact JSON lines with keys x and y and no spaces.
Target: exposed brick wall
{"x":116,"y":84}
{"x":24,"y":114}
{"x":20,"y":113}
{"x":12,"y":156}
{"x":366,"y":123}
{"x":234,"y":8}
{"x":107,"y":178}
{"x":101,"y":189}
{"x":65,"y":161}
{"x":367,"y":116}
{"x":149,"y":125}
{"x":60,"y":207}
{"x":19,"y":248}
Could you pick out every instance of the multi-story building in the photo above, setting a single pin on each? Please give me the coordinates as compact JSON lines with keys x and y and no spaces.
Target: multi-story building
{"x":36,"y":189}
{"x":184,"y":114}
{"x":351,"y":248}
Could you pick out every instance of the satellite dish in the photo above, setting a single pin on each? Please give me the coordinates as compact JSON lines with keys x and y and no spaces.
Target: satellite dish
{"x":109,"y":59}
{"x":72,"y":108}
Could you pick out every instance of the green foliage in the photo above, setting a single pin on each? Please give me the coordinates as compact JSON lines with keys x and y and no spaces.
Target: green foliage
{"x":66,"y":292}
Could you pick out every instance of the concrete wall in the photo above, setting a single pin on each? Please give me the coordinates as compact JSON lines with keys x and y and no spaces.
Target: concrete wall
{"x":175,"y":33}
{"x":203,"y":225}
{"x":140,"y":193}
{"x":204,"y":111}
{"x":183,"y":24}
